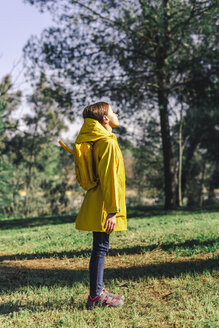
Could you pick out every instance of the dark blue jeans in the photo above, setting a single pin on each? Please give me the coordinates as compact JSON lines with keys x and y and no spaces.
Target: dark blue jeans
{"x":96,"y":267}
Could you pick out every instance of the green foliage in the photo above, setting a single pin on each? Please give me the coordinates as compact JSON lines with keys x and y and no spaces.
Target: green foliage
{"x":140,"y":54}
{"x":31,"y":183}
{"x":149,"y":178}
{"x":9,"y":101}
{"x":152,"y":51}
{"x":135,"y":40}
{"x":48,"y":118}
{"x":200,"y":128}
{"x":6,"y":192}
{"x":1,"y":112}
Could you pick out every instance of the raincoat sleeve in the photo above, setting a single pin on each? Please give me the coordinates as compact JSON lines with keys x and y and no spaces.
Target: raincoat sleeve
{"x":107,"y":171}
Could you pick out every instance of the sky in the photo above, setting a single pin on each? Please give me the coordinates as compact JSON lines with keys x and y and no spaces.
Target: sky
{"x":18,"y":21}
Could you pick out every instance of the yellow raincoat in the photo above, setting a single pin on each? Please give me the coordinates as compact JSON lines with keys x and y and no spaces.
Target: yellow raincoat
{"x":109,"y":194}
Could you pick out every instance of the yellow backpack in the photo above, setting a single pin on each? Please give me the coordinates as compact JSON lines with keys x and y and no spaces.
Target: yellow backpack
{"x":84,"y":164}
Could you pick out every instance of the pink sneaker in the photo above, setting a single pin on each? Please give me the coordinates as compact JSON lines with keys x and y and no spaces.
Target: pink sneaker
{"x":104,"y":300}
{"x":120,"y":297}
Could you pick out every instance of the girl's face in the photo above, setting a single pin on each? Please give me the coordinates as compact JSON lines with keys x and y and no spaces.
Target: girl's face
{"x":113,"y":120}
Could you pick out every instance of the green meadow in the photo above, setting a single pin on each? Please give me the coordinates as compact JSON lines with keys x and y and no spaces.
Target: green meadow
{"x":165,"y":264}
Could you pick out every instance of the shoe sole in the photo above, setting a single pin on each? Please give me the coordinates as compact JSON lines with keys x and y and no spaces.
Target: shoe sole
{"x":90,"y":305}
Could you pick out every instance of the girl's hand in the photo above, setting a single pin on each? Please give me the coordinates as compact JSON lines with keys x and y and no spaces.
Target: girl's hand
{"x":110,"y":223}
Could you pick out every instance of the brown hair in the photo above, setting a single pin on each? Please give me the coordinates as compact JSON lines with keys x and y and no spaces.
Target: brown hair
{"x":96,"y":111}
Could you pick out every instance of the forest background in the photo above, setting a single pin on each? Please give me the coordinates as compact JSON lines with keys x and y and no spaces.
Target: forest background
{"x":156,"y":62}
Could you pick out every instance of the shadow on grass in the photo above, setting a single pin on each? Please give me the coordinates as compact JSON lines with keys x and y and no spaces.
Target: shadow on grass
{"x":132,"y":212}
{"x":158,"y":210}
{"x":36,"y":306}
{"x":192,"y":244}
{"x":36,"y":222}
{"x":6,"y":308}
{"x":14,"y":278}
{"x":20,"y":223}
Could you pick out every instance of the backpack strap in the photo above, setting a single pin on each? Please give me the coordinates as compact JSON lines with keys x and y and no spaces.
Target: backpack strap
{"x":66,"y":147}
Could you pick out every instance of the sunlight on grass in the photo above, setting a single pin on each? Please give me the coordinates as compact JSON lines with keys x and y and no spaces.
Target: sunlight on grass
{"x":165,"y":265}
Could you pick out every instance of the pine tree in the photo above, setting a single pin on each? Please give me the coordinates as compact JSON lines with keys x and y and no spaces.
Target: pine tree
{"x":132,"y":51}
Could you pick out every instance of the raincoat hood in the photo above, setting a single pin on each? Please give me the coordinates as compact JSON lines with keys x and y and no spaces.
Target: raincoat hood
{"x":92,"y":131}
{"x":82,"y":151}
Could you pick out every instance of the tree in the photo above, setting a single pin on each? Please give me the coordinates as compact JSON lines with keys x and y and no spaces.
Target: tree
{"x":149,"y":179}
{"x":132,"y":51}
{"x":32,"y":182}
{"x":9,"y":101}
{"x":39,"y":153}
{"x":201,"y":94}
{"x":201,"y":152}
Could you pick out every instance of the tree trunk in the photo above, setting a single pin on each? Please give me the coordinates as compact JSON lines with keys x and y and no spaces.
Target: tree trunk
{"x":180,"y":163}
{"x":190,"y":153}
{"x":162,"y":79}
{"x":201,"y":196}
{"x":170,"y":188}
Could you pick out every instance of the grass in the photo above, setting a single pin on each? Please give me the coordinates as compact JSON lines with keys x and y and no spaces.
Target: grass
{"x":165,"y":265}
